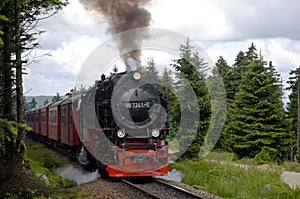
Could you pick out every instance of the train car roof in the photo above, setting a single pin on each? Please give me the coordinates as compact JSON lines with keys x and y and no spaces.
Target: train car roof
{"x":57,"y":103}
{"x":45,"y":106}
{"x":40,"y":107}
{"x":32,"y":110}
{"x":71,"y":99}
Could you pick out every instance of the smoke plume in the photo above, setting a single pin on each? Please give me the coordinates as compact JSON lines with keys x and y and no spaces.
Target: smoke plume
{"x":123,"y":15}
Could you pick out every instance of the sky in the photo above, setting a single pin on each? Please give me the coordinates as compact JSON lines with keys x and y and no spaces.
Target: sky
{"x":221,"y":28}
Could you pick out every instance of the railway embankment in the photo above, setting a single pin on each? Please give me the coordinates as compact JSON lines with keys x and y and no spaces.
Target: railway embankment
{"x":224,"y":178}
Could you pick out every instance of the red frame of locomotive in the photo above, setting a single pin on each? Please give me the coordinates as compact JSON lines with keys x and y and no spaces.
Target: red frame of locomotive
{"x":58,"y":122}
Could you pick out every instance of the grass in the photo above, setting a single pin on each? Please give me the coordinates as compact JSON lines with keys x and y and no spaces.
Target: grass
{"x":231,"y":158}
{"x":291,"y":166}
{"x":45,"y":156}
{"x":44,"y":161}
{"x":30,"y":193}
{"x":84,"y":195}
{"x":234,"y":182}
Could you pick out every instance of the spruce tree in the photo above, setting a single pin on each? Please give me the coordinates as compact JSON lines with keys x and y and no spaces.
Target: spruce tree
{"x":151,"y":66}
{"x":166,"y":86}
{"x":221,"y":69}
{"x":258,"y":127}
{"x":251,"y":54}
{"x":235,"y":76}
{"x":224,"y":69}
{"x":190,"y":68}
{"x":292,"y":107}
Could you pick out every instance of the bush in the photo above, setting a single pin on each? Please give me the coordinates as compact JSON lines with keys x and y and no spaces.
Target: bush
{"x":263,"y":157}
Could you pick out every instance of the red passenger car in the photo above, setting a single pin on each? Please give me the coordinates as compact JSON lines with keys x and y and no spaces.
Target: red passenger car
{"x":55,"y":121}
{"x":69,"y":122}
{"x":44,"y":119}
{"x":37,"y":124}
{"x":31,"y":119}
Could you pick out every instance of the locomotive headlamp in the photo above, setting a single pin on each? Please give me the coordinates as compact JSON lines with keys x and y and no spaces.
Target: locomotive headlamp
{"x":137,"y":75}
{"x":121,"y":133}
{"x":155,"y":132}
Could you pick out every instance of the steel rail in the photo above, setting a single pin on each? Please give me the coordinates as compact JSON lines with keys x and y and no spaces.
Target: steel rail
{"x":166,"y":184}
{"x":141,"y":189}
{"x":180,"y":189}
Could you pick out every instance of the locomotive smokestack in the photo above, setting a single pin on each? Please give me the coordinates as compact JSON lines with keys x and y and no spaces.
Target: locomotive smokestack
{"x":124,"y":15}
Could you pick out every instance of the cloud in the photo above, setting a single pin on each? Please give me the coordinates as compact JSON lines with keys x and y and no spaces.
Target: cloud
{"x":262,"y":19}
{"x":220,"y":27}
{"x":283,"y":52}
{"x":69,"y":24}
{"x":197,"y":19}
{"x":229,"y":20}
{"x":58,"y":71}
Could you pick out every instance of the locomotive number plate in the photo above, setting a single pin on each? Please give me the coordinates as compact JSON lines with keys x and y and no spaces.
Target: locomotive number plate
{"x":137,"y":104}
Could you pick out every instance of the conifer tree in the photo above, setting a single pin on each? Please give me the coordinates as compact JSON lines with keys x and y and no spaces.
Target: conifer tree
{"x":151,"y":66}
{"x":292,"y":107}
{"x":235,"y":75}
{"x":217,"y":82}
{"x":166,"y":86}
{"x":224,"y":69}
{"x":258,"y":127}
{"x":251,"y":54}
{"x":191,"y":68}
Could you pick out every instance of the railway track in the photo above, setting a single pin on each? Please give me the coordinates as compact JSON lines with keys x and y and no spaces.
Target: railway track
{"x":161,"y":189}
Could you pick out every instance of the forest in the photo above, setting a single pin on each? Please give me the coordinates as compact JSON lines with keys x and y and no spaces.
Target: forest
{"x":18,"y":33}
{"x":258,"y":123}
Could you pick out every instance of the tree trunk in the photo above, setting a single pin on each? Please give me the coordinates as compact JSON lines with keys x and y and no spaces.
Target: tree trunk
{"x":19,"y":86}
{"x":298,"y":115}
{"x":7,"y":83}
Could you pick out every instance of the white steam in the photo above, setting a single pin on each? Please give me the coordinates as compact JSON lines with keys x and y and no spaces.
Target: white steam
{"x":77,"y":173}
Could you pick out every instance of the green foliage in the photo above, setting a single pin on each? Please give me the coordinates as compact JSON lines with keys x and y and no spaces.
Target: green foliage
{"x":42,"y":155}
{"x":234,"y":182}
{"x":30,"y":105}
{"x":217,"y":83}
{"x":59,"y":181}
{"x":263,"y":157}
{"x":57,"y":98}
{"x":8,"y":133}
{"x":190,"y":71}
{"x":46,"y":102}
{"x":257,"y":120}
{"x":291,"y":166}
{"x":151,"y":66}
{"x":29,"y":12}
{"x":74,"y":91}
{"x":8,"y":130}
{"x":220,"y":156}
{"x":42,"y":161}
{"x":24,"y":193}
{"x":80,"y":195}
{"x":292,"y":107}
{"x":2,"y":18}
{"x":166,"y":86}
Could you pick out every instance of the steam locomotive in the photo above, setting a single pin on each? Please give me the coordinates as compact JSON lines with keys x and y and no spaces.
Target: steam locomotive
{"x":120,"y":124}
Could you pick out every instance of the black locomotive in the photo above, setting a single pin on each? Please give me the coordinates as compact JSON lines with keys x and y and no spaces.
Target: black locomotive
{"x":132,"y":116}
